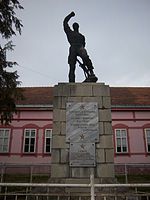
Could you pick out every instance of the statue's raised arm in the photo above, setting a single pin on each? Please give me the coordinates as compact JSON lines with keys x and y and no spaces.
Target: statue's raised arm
{"x":66,"y":20}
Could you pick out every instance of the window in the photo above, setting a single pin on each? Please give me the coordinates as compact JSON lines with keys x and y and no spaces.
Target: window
{"x":147,"y":137}
{"x":121,"y":141}
{"x":48,"y":141}
{"x":4,"y":140}
{"x":29,"y":140}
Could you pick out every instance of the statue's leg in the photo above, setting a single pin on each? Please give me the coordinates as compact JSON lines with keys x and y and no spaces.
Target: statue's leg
{"x":72,"y":64}
{"x":86,"y":60}
{"x":72,"y":73}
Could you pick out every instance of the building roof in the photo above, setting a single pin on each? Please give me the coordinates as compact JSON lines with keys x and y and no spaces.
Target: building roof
{"x":130,"y":96}
{"x":36,"y":96}
{"x":120,"y":96}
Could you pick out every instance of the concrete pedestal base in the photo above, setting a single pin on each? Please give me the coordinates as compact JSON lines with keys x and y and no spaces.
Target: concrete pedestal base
{"x":61,"y":172}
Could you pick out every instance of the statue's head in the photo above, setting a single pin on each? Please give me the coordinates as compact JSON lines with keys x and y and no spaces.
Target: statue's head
{"x":75,"y":26}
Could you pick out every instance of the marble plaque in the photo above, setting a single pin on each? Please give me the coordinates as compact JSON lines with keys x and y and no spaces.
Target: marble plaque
{"x":82,"y":122}
{"x":82,"y":154}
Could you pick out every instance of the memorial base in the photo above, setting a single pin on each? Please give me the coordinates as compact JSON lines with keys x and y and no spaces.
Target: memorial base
{"x":99,"y":156}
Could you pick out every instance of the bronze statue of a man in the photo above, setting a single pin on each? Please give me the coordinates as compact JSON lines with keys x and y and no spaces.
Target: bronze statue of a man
{"x":77,"y":48}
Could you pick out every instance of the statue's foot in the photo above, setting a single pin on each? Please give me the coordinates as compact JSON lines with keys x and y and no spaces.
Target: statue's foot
{"x":91,"y":78}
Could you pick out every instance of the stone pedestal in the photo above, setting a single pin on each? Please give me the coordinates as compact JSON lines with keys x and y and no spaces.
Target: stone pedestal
{"x":103,"y":170}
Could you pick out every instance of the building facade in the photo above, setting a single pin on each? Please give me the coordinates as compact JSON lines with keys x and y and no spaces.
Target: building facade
{"x":131,"y":124}
{"x":28,"y":139}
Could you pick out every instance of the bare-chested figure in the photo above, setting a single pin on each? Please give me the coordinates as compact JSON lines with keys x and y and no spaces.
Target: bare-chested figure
{"x":77,"y":48}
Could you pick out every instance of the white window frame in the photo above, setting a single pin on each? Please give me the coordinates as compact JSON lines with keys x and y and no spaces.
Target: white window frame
{"x":4,"y":130}
{"x":30,"y":137}
{"x":45,"y":138}
{"x":147,"y":137}
{"x":121,"y":137}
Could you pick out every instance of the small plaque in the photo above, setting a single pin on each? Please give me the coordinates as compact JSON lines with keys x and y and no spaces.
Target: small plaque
{"x":82,"y":154}
{"x":82,"y":122}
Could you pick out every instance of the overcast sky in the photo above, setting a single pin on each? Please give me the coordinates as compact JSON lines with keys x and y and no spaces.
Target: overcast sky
{"x":117,"y":36}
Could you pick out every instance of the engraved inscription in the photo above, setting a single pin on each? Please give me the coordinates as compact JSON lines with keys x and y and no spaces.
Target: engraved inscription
{"x":82,"y":154}
{"x":82,"y":122}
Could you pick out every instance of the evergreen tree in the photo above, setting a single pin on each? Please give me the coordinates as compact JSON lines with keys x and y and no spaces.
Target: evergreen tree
{"x":9,"y":25}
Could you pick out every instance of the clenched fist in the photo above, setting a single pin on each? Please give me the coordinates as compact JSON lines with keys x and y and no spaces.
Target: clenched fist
{"x":72,"y":14}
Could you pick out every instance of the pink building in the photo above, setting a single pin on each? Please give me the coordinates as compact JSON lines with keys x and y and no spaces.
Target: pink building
{"x":27,"y":140}
{"x":131,"y":124}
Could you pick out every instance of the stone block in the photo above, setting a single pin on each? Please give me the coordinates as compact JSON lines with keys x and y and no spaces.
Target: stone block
{"x":105,"y":170}
{"x":109,"y":155}
{"x":106,"y":102}
{"x":59,"y":115}
{"x":59,"y":142}
{"x":63,"y":115}
{"x":63,"y":128}
{"x":78,"y":172}
{"x":57,"y":91}
{"x":101,"y":90}
{"x":105,"y":115}
{"x":63,"y":102}
{"x":100,"y":156}
{"x":56,"y":115}
{"x":101,"y":128}
{"x":81,"y":90}
{"x":64,"y":158}
{"x":55,"y":156}
{"x":59,"y":170}
{"x":77,"y":180}
{"x":57,"y":103}
{"x":66,"y":91}
{"x":74,"y":99}
{"x":56,"y":128}
{"x":108,"y":128}
{"x":81,"y":180}
{"x":62,"y":89}
{"x":106,"y":142}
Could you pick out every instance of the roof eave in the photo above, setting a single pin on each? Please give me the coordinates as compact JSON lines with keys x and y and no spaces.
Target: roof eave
{"x":34,"y":107}
{"x":131,"y":107}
